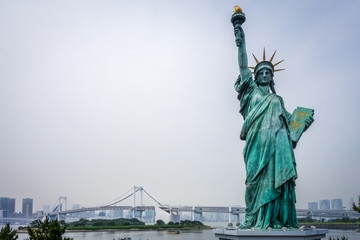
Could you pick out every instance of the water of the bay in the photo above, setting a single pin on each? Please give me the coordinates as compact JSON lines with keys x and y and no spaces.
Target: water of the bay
{"x":138,"y":235}
{"x":185,"y":235}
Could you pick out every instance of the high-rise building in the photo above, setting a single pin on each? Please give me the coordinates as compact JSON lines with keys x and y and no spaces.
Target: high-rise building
{"x":336,"y":204}
{"x":4,"y":206}
{"x":313,"y":206}
{"x":4,"y":203}
{"x":39,"y":213}
{"x":11,"y":207}
{"x":27,"y":207}
{"x":325,"y":204}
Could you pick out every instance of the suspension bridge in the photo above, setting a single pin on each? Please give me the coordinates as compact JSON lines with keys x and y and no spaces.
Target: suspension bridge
{"x":147,"y":213}
{"x":60,"y":210}
{"x":174,"y":212}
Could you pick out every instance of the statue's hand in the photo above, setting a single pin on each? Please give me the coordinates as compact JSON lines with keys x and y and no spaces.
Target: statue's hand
{"x":308,"y":122}
{"x":239,"y":35}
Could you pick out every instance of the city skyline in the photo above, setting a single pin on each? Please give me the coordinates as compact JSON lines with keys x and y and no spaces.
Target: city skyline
{"x":96,"y":97}
{"x":333,"y":204}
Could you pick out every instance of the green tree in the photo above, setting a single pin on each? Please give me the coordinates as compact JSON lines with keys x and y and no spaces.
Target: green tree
{"x":8,"y":233}
{"x":197,"y":223}
{"x":306,"y":219}
{"x":47,"y":230}
{"x":188,"y":222}
{"x":160,"y":222}
{"x":34,"y":224}
{"x":357,"y":208}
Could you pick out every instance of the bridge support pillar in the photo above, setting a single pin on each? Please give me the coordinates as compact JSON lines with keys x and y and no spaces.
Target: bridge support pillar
{"x":193,"y":214}
{"x":153,"y":216}
{"x":175,"y":218}
{"x":238,"y":218}
{"x":198,"y":217}
{"x":230,"y":215}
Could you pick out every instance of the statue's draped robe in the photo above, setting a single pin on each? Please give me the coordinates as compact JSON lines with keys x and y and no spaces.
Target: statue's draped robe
{"x":269,"y":158}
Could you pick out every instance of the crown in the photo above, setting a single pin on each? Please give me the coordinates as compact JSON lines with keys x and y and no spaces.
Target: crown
{"x":266,"y":64}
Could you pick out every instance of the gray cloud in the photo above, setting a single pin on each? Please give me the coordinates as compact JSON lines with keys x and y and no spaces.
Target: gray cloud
{"x":97,"y":97}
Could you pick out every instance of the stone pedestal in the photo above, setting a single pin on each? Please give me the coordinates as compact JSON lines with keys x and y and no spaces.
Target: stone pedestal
{"x":297,"y":234}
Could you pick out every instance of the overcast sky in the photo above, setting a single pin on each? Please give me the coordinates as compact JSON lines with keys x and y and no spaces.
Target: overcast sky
{"x":99,"y":96}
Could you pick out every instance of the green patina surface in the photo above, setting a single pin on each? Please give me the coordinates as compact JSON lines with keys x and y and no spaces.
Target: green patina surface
{"x":268,"y":153}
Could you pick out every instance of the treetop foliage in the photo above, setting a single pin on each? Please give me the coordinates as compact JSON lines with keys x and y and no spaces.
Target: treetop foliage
{"x":105,"y":222}
{"x":357,"y":208}
{"x":7,"y":233}
{"x":47,"y":230}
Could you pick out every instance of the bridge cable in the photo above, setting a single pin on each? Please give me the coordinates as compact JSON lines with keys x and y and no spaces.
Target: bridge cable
{"x":54,"y":206}
{"x":121,"y":199}
{"x":152,"y":197}
{"x":107,"y":203}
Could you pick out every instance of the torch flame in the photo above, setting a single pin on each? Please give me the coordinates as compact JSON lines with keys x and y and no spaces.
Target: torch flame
{"x":237,"y":9}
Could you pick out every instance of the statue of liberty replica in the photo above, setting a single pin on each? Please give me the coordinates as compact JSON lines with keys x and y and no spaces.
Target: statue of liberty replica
{"x":271,"y":133}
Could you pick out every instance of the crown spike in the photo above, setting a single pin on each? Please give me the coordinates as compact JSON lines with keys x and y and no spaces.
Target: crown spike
{"x":264,"y":55}
{"x":251,"y":67}
{"x":273,"y":56}
{"x":279,"y":62}
{"x":277,"y":70}
{"x":255,"y":59}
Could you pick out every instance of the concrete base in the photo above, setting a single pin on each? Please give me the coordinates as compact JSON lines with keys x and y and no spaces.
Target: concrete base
{"x":297,"y":234}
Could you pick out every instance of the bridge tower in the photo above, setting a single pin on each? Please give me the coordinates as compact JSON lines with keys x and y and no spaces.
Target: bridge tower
{"x":136,"y":189}
{"x":59,"y":208}
{"x":62,"y":200}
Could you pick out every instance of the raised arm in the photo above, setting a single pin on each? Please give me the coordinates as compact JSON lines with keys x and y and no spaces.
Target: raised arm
{"x":242,"y":56}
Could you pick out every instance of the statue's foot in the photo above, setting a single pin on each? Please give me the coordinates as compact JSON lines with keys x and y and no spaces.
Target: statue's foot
{"x":291,"y":227}
{"x":276,"y":224}
{"x":244,"y":226}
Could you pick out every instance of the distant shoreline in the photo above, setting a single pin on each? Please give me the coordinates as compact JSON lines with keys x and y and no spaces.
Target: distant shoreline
{"x":331,"y":226}
{"x":137,"y":228}
{"x":130,"y":228}
{"x":338,"y":226}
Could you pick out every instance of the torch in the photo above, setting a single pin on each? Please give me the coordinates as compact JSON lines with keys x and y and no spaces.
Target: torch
{"x":238,"y":16}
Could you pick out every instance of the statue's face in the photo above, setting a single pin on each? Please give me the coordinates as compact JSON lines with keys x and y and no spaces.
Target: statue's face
{"x":264,"y":77}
